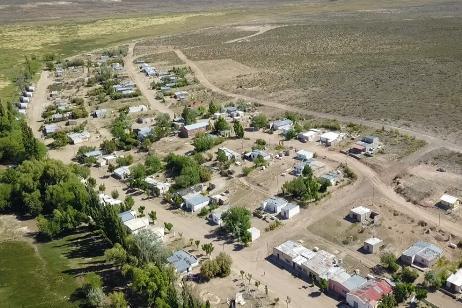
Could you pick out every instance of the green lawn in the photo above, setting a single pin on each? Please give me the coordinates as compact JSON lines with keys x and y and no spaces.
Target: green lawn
{"x":44,"y":275}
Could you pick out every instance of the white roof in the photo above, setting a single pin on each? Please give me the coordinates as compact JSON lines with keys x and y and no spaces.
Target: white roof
{"x":456,"y":278}
{"x":361,"y":210}
{"x":330,"y":136}
{"x":373,"y":241}
{"x":305,"y":153}
{"x":196,"y":125}
{"x":137,"y":223}
{"x":448,"y":199}
{"x":309,"y":133}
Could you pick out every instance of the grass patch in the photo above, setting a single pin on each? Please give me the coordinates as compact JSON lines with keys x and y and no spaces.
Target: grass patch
{"x":44,"y":274}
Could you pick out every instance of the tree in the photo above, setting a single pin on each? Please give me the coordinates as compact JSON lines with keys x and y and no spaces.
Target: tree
{"x":203,"y":142}
{"x":221,"y":156}
{"x":208,"y":248}
{"x":153,"y":216}
{"x":141,"y":210}
{"x":91,"y":182}
{"x":402,"y":291}
{"x":152,"y":164}
{"x":197,"y":243}
{"x":129,"y":202}
{"x":266,"y":290}
{"x":95,"y":297}
{"x":323,"y":285}
{"x":388,"y":301}
{"x":238,"y":129}
{"x":108,"y":146}
{"x":168,"y":226}
{"x":101,"y":187}
{"x":92,"y":288}
{"x":221,"y":124}
{"x":259,"y":121}
{"x":115,"y":194}
{"x":213,"y":108}
{"x":117,"y":300}
{"x":209,"y":269}
{"x":420,"y":293}
{"x":408,"y":275}
{"x":148,"y":247}
{"x":188,"y":115}
{"x":237,"y":221}
{"x":389,"y":261}
{"x":116,"y":254}
{"x":433,"y":280}
{"x":291,"y":134}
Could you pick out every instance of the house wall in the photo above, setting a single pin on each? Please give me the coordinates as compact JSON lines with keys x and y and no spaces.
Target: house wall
{"x":407,"y":259}
{"x":354,"y":301}
{"x":196,"y":207}
{"x":338,"y":288}
{"x":427,"y":263}
{"x":453,"y":288}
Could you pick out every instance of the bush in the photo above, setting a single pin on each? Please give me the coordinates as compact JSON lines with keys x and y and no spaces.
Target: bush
{"x":246,"y":170}
{"x":218,"y":267}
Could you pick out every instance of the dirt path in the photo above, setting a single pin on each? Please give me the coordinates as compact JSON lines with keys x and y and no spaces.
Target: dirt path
{"x":434,"y":141}
{"x":261,"y":30}
{"x":143,"y":83}
{"x":38,"y":104}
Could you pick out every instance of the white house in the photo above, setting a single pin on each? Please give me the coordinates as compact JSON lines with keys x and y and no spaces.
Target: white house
{"x":372,"y":245}
{"x":449,"y":202}
{"x":195,"y":202}
{"x":137,"y":224}
{"x":329,"y":138}
{"x":290,"y":210}
{"x":122,"y":173}
{"x":311,"y":135}
{"x":254,"y":233}
{"x":153,"y":183}
{"x":230,"y":154}
{"x":140,"y":108}
{"x":454,"y":282}
{"x":283,"y":124}
{"x":422,"y":254}
{"x":106,"y":160}
{"x":216,"y":214}
{"x":274,"y":204}
{"x":304,"y":155}
{"x":255,"y":153}
{"x":108,"y":200}
{"x":77,"y":138}
{"x":360,"y":213}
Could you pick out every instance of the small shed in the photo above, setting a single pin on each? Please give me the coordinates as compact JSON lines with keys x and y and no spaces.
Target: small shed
{"x":329,"y":138}
{"x":216,"y":214}
{"x":137,"y":224}
{"x":359,"y":213}
{"x":454,"y":282}
{"x":254,"y":233}
{"x":372,"y":245}
{"x":290,"y":210}
{"x":449,"y":202}
{"x":195,"y":202}
{"x":304,"y":155}
{"x":122,"y":172}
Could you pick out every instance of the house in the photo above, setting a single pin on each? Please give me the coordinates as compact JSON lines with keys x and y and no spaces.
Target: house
{"x":329,"y":138}
{"x":50,"y":129}
{"x":343,"y":283}
{"x":304,"y":155}
{"x":195,"y":202}
{"x":274,"y":205}
{"x":192,"y":129}
{"x":128,"y":215}
{"x":181,"y":95}
{"x":219,"y":199}
{"x":332,"y":178}
{"x":30,"y":88}
{"x":122,"y":173}
{"x":135,"y":225}
{"x":283,"y":124}
{"x":230,"y":154}
{"x":182,"y":261}
{"x":216,"y":214}
{"x":322,"y":265}
{"x":157,"y":185}
{"x":359,"y":214}
{"x":255,"y":153}
{"x":449,"y":202}
{"x":196,"y":189}
{"x":254,"y":233}
{"x":292,"y":255}
{"x":143,"y":133}
{"x":24,"y":99}
{"x":369,"y":294}
{"x":106,"y":160}
{"x":108,"y":200}
{"x":94,"y":153}
{"x":77,"y":138}
{"x":313,"y":164}
{"x":100,"y":113}
{"x":454,"y":282}
{"x":290,"y":210}
{"x":140,"y":108}
{"x":23,"y":105}
{"x":311,"y":135}
{"x":421,"y":254}
{"x":372,"y":245}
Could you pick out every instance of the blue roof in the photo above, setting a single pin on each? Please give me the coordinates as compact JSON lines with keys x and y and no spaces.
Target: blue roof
{"x":420,"y":246}
{"x":181,"y":260}
{"x":126,"y":216}
{"x":354,"y":282}
{"x":93,"y":153}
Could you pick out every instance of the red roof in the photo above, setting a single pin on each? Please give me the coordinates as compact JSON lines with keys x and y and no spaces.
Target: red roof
{"x":373,"y":291}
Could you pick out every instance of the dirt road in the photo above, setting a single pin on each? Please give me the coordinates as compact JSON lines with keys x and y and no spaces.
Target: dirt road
{"x":38,"y":104}
{"x":435,"y":141}
{"x":143,"y":83}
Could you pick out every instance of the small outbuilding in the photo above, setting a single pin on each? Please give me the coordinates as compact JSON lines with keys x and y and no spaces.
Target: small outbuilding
{"x":359,"y":214}
{"x":137,"y":224}
{"x":216,"y":214}
{"x":195,"y":202}
{"x":449,"y":202}
{"x":192,"y":129}
{"x":274,"y":204}
{"x":329,"y":138}
{"x":454,"y":282}
{"x":372,"y":245}
{"x":254,"y":233}
{"x":290,"y":210}
{"x":304,"y":155}
{"x":122,"y":173}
